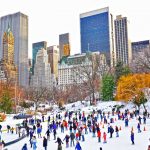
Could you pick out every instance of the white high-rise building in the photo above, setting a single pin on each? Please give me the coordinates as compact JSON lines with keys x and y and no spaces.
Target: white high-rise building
{"x":18,"y":24}
{"x":42,"y":71}
{"x":123,"y":44}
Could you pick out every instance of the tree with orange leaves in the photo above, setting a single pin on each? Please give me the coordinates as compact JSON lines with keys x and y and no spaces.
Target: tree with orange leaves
{"x":132,"y":88}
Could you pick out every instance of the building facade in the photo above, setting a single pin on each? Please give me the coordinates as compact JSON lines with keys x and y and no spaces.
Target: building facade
{"x":97,"y":33}
{"x":18,"y":24}
{"x":71,"y":69}
{"x":7,"y":62}
{"x":123,"y":44}
{"x":64,"y":45}
{"x":2,"y":75}
{"x":35,"y":48}
{"x":139,"y":47}
{"x":42,"y":77}
{"x":53,"y":58}
{"x":71,"y":74}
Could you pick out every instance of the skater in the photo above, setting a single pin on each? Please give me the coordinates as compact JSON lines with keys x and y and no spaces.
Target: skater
{"x":117,"y":131}
{"x":77,"y":136}
{"x":79,"y":132}
{"x":8,"y":128}
{"x":67,"y":140}
{"x":138,"y":127}
{"x":12,"y":130}
{"x":111,"y":131}
{"x":54,"y":132}
{"x":70,"y":128}
{"x":34,"y":142}
{"x":48,"y":134}
{"x":62,"y":128}
{"x":78,"y":146}
{"x":23,"y":132}
{"x":72,"y":137}
{"x":140,"y":119}
{"x":39,"y":130}
{"x":132,"y":137}
{"x":24,"y":147}
{"x":45,"y":143}
{"x":126,"y":122}
{"x":99,"y":135}
{"x":108,"y":130}
{"x":86,"y":131}
{"x":49,"y":119}
{"x":82,"y":135}
{"x":59,"y":141}
{"x":31,"y":136}
{"x":104,"y":137}
{"x":144,"y":120}
{"x":27,"y":130}
{"x":43,"y":118}
{"x":34,"y":128}
{"x":93,"y":130}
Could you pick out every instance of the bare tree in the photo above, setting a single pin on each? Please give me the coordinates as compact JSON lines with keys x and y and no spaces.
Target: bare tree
{"x":89,"y":73}
{"x":37,"y":95}
{"x":141,"y":63}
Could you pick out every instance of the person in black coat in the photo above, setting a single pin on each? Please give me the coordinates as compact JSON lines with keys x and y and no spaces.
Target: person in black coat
{"x":111,"y":131}
{"x":45,"y":143}
{"x":54,"y":132}
{"x":59,"y":141}
{"x":72,"y":137}
{"x":48,"y":134}
{"x":67,"y":140}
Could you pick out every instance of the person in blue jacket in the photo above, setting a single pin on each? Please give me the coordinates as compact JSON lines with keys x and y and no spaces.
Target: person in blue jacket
{"x":39,"y":130}
{"x":138,"y":127}
{"x":78,"y":146}
{"x":24,"y":147}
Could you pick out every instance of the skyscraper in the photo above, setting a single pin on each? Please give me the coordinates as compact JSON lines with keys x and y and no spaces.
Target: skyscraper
{"x":53,"y":58}
{"x":96,"y":31}
{"x":123,"y":45}
{"x":18,"y":24}
{"x":7,"y":63}
{"x":35,"y":48}
{"x":64,"y":45}
{"x":42,"y":71}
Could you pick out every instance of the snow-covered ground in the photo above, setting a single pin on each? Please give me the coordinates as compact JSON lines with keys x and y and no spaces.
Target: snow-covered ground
{"x":122,"y":142}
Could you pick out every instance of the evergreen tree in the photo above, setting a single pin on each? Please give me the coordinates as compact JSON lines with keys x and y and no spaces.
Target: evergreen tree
{"x":121,"y":70}
{"x":108,"y":85}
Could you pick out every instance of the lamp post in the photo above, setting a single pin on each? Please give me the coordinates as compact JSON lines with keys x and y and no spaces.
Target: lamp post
{"x":16,"y":90}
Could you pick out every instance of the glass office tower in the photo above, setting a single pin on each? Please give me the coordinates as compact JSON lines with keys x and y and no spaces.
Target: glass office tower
{"x":97,"y":34}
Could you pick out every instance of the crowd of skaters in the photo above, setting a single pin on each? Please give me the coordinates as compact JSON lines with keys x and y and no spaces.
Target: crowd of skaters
{"x":76,"y":125}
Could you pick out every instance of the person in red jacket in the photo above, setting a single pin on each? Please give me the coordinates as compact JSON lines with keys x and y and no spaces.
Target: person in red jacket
{"x":99,"y":135}
{"x":66,"y":125}
{"x":77,"y":136}
{"x":104,"y":136}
